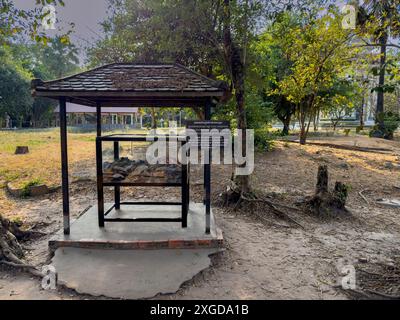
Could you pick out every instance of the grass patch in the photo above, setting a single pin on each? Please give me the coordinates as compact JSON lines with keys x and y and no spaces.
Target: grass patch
{"x":26,"y":188}
{"x":43,"y":163}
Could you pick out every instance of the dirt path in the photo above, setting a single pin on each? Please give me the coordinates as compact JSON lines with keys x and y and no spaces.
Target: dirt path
{"x":268,"y":258}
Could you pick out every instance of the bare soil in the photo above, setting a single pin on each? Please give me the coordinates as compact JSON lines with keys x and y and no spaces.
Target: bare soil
{"x":265,"y":257}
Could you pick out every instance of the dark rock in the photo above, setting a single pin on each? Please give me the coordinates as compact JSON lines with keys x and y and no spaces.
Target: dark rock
{"x":36,"y":191}
{"x":120,"y":170}
{"x":344,"y":165}
{"x":389,"y":165}
{"x":107,"y":165}
{"x":140,"y":170}
{"x":118,"y":177}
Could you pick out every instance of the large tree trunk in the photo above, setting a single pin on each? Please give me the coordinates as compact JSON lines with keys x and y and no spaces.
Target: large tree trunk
{"x":306,"y":108}
{"x":302,"y":121}
{"x":316,"y":121}
{"x":284,"y":111}
{"x":362,"y":124}
{"x":234,"y":59}
{"x":381,"y":95}
{"x":303,"y":135}
{"x":286,"y":123}
{"x":286,"y":126}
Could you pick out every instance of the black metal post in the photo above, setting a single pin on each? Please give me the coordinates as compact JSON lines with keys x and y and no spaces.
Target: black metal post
{"x":99,"y":165}
{"x":184,"y":190}
{"x":207,"y":174}
{"x":98,"y":118}
{"x":64,"y":165}
{"x":188,"y":182}
{"x":117,"y":189}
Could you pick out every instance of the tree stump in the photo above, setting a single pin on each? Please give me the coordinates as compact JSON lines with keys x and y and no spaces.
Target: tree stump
{"x":327,"y":203}
{"x":22,"y":150}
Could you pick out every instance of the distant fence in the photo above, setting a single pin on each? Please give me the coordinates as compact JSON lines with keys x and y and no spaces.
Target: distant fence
{"x":105,"y":127}
{"x":346,"y":124}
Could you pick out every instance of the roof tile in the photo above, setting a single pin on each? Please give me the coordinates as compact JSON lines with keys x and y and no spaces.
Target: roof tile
{"x":133,"y":77}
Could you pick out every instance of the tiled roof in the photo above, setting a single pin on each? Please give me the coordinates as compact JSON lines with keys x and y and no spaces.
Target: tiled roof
{"x":125,"y":77}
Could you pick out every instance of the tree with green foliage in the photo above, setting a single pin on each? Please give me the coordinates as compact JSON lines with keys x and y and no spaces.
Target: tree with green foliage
{"x":54,"y":60}
{"x":320,"y":52}
{"x":13,"y":79}
{"x":273,"y":64}
{"x":211,"y":36}
{"x":15,"y":96}
{"x":378,"y":24}
{"x":41,"y":57}
{"x":15,"y":22}
{"x":339,"y":101}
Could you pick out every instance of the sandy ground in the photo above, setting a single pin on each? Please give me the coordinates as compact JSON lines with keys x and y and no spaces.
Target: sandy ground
{"x":265,"y":257}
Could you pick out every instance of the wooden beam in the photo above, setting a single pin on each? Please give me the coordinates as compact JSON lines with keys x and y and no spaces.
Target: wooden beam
{"x":64,"y":165}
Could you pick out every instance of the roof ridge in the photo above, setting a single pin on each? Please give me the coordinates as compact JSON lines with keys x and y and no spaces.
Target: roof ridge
{"x":135,"y":77}
{"x":211,"y":81}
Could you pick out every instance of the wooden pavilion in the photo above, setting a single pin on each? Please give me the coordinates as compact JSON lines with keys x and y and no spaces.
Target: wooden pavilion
{"x":129,"y":85}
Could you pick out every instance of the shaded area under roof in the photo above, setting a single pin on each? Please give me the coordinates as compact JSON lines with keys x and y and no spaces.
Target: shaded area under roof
{"x":77,"y":108}
{"x":128,"y":85}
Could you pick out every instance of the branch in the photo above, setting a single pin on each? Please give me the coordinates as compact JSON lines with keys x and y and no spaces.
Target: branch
{"x":280,"y":213}
{"x":367,"y":44}
{"x":362,"y":196}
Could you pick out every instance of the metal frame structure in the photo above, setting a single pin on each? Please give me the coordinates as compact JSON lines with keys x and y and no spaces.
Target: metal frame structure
{"x":96,"y":88}
{"x":184,"y":184}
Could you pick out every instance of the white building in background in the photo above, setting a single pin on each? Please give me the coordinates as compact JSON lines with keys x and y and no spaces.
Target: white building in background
{"x":82,"y":115}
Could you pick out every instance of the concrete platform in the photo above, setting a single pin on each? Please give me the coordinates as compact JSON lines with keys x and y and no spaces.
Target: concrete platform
{"x":124,"y":274}
{"x":85,"y":232}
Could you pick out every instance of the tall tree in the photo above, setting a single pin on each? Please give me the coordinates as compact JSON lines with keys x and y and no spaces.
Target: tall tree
{"x":56,"y":59}
{"x":211,"y":36}
{"x":15,"y":22}
{"x":380,"y":21}
{"x":12,"y":22}
{"x":320,"y":52}
{"x":273,"y":63}
{"x":15,"y":97}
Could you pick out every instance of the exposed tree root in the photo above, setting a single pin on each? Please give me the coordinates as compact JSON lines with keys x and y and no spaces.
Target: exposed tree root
{"x":236,"y":197}
{"x":11,"y":252}
{"x":25,"y":267}
{"x":367,"y":294}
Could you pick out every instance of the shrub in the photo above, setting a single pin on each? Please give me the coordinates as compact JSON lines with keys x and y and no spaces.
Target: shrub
{"x":263,"y":140}
{"x":392,"y":123}
{"x":26,"y":188}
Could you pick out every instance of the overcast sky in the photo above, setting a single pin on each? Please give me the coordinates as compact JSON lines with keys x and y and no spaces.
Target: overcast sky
{"x":86,"y":14}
